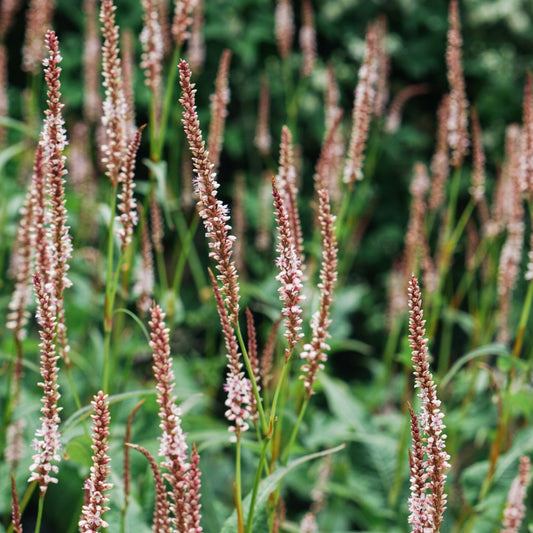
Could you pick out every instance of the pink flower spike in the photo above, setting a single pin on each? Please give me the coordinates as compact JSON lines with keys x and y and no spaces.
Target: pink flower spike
{"x":47,"y":440}
{"x":219,"y":104}
{"x":364,"y":97}
{"x":128,"y":205}
{"x":54,"y":141}
{"x":284,"y":18}
{"x":214,"y":213}
{"x":238,"y":388}
{"x":182,"y":20}
{"x":161,"y":511}
{"x":515,"y":509}
{"x":15,"y":512}
{"x":115,"y":107}
{"x":96,"y":484}
{"x":290,"y":274}
{"x":431,"y":505}
{"x":315,"y":353}
{"x":172,"y":447}
{"x":458,"y":114}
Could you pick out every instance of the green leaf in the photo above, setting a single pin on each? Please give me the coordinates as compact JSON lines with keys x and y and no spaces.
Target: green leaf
{"x":490,"y":349}
{"x":19,"y":126}
{"x":159,"y":170}
{"x":11,"y":152}
{"x":341,"y":402}
{"x":266,"y":487}
{"x":78,"y":450}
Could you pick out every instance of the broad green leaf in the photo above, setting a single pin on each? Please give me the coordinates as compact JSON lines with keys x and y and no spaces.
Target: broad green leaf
{"x":342,"y":403}
{"x":266,"y":487}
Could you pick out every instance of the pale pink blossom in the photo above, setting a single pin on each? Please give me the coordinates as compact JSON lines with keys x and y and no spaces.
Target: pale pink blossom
{"x":96,"y":484}
{"x":290,"y":275}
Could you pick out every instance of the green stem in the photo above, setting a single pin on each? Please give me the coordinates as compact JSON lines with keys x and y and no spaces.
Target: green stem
{"x":294,"y":433}
{"x":197,"y":270}
{"x":279,"y":387}
{"x":108,"y":304}
{"x":39,"y":513}
{"x":267,"y":429}
{"x":169,"y":91}
{"x":396,"y":484}
{"x":445,"y":347}
{"x":255,"y":489}
{"x":182,"y":259}
{"x":517,"y":348}
{"x":390,"y":349}
{"x":238,"y":486}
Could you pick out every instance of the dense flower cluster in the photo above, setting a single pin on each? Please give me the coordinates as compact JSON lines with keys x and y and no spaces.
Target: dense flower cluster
{"x":214,"y":213}
{"x":96,"y":484}
{"x":115,"y":107}
{"x":290,"y":274}
{"x":428,"y":458}
{"x":315,"y":353}
{"x":48,"y":437}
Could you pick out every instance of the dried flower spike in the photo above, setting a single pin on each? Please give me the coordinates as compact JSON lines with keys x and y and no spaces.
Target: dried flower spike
{"x":96,"y":484}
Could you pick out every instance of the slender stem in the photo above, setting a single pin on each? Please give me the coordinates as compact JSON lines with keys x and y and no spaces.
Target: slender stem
{"x":169,"y":90}
{"x":267,"y":429}
{"x":185,"y":249}
{"x":256,"y":486}
{"x":39,"y":513}
{"x":197,"y":268}
{"x":153,"y":128}
{"x":390,"y":349}
{"x":294,"y":433}
{"x":445,"y":347}
{"x":279,"y":387}
{"x":238,"y":486}
{"x":517,"y":348}
{"x":108,"y":305}
{"x":161,"y":269}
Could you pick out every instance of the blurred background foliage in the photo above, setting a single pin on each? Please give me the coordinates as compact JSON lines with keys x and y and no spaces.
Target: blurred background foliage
{"x":368,"y":489}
